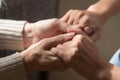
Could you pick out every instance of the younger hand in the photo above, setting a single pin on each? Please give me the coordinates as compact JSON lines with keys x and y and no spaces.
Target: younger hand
{"x":91,"y":23}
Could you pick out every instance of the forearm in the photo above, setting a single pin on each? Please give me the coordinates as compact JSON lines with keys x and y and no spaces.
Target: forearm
{"x":105,"y":71}
{"x":111,"y":72}
{"x":105,"y":8}
{"x":12,"y":68}
{"x":94,"y":70}
{"x":97,"y":70}
{"x":11,"y":36}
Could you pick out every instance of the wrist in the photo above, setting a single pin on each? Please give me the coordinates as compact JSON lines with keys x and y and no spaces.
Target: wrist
{"x":25,"y":60}
{"x":28,"y":59}
{"x":103,"y":72}
{"x":100,"y":11}
{"x":27,"y":35}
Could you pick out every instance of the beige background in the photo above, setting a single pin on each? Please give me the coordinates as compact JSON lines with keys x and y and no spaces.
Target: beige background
{"x":109,"y":43}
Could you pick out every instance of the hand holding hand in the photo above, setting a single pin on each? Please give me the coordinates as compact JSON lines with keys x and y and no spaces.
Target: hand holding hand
{"x":38,"y":56}
{"x":91,"y":23}
{"x":34,"y":32}
{"x":81,"y":54}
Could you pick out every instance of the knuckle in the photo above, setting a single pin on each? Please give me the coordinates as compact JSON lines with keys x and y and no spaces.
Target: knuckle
{"x":59,"y":45}
{"x":54,"y":51}
{"x":79,"y":40}
{"x":54,"y":19}
{"x":74,"y":44}
{"x":75,"y":51}
{"x":55,"y":22}
{"x":81,"y":12}
{"x":71,"y":10}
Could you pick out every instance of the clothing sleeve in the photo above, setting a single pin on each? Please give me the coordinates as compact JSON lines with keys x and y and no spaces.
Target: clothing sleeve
{"x":12,"y":68}
{"x":116,"y":59}
{"x":11,"y":34}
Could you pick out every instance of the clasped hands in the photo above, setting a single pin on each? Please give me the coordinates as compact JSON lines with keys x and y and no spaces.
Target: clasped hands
{"x":57,"y":44}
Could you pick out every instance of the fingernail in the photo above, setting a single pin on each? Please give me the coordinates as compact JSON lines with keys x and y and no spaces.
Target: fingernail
{"x":88,"y":31}
{"x":69,"y":36}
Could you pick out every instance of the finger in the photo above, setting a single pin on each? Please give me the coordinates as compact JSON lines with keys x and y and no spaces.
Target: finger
{"x":62,"y":27}
{"x":77,"y":18}
{"x":84,"y":21}
{"x":53,"y":41}
{"x":81,"y":35}
{"x":70,"y":20}
{"x":54,"y":60}
{"x":65,"y":18}
{"x":77,"y":38}
{"x":76,"y":29}
{"x":88,"y":30}
{"x":61,"y":53}
{"x":85,"y":33}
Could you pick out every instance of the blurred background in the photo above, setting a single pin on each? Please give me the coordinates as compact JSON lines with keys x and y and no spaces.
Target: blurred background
{"x":34,"y":10}
{"x":107,"y":45}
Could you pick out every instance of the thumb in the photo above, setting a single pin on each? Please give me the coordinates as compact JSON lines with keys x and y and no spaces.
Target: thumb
{"x":62,"y":27}
{"x":59,"y":39}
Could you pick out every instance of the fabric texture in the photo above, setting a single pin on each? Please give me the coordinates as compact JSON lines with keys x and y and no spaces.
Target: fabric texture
{"x":11,"y":34}
{"x":29,"y":10}
{"x":12,"y":68}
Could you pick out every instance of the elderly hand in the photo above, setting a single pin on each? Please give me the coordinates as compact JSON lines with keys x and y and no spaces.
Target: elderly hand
{"x":38,"y":56}
{"x":90,"y":22}
{"x":34,"y":32}
{"x":81,"y":54}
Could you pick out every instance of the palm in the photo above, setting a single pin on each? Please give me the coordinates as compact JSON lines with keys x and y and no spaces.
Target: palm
{"x":47,"y":28}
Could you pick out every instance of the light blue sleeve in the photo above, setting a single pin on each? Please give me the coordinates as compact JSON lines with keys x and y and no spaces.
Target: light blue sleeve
{"x":116,"y":59}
